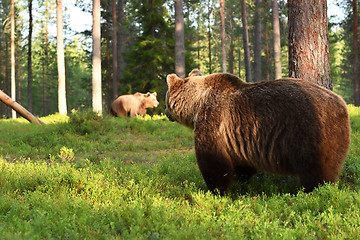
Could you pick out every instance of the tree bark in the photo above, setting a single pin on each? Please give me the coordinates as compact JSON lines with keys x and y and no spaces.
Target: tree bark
{"x":309,"y":57}
{"x":13,"y":84}
{"x":179,"y":40}
{"x":2,"y":72}
{"x":96,"y":60}
{"x":115,"y":92}
{"x":109,"y":78}
{"x":29,"y":67}
{"x":60,"y":59}
{"x":18,"y":108}
{"x":277,"y":43}
{"x":121,"y":41}
{"x":267,"y":52}
{"x":232,"y":39}
{"x":246,"y":42}
{"x":356,"y":66}
{"x":257,"y":42}
{"x":45,"y":62}
{"x":222,"y":27}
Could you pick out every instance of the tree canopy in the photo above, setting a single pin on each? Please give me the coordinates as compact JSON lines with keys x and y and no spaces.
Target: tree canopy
{"x":146,"y":48}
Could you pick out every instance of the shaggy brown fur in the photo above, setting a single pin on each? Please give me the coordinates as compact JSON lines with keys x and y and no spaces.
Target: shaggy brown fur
{"x":132,"y":105}
{"x":285,"y":126}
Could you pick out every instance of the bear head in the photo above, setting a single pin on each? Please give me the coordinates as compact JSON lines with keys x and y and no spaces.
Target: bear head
{"x":182,"y":98}
{"x":150,"y":100}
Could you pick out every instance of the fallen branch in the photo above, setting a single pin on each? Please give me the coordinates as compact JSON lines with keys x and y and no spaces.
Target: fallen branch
{"x":19,"y":109}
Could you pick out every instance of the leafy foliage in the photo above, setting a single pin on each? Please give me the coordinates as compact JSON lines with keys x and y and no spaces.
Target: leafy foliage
{"x":137,"y":178}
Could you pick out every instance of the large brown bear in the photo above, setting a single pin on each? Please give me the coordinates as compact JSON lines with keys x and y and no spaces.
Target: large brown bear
{"x":132,"y":105}
{"x":285,"y":126}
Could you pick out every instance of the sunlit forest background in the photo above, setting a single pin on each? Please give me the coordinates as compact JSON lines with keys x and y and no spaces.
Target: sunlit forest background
{"x":147,"y":55}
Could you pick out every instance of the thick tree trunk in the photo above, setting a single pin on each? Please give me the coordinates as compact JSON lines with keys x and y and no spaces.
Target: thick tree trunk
{"x":13,"y":84}
{"x":18,"y":108}
{"x":96,"y":60}
{"x":246,"y":42}
{"x":356,"y":66}
{"x":179,"y":40}
{"x":109,"y":68}
{"x":222,"y":27}
{"x":309,"y":57}
{"x":29,"y":67}
{"x":60,"y":59}
{"x":115,"y":92}
{"x":121,"y":41}
{"x":257,"y":42}
{"x":277,"y":45}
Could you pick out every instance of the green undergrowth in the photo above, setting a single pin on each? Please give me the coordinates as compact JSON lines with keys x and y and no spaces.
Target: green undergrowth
{"x":88,"y":177}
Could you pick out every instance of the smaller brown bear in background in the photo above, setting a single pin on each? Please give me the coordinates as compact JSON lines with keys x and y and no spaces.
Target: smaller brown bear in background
{"x":133,"y":104}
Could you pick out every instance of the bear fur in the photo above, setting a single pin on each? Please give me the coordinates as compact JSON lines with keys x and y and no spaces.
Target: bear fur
{"x":134,"y":104}
{"x":286,"y":126}
{"x":195,"y":72}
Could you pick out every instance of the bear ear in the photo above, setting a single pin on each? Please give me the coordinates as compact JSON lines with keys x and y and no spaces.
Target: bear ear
{"x":147,"y":94}
{"x":155,"y":94}
{"x":171,"y":79}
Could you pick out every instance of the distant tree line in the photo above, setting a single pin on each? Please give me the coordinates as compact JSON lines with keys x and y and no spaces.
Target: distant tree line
{"x":144,"y":40}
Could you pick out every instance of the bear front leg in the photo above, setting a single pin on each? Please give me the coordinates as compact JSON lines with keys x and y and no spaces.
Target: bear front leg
{"x":215,"y":166}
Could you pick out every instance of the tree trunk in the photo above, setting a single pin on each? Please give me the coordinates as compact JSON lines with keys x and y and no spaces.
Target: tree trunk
{"x":7,"y":85}
{"x":239,"y":61}
{"x":60,"y":59}
{"x":96,"y":60}
{"x":277,"y":45}
{"x":309,"y":57}
{"x":246,"y":42}
{"x":115,"y":92}
{"x":18,"y":108}
{"x":356,"y":66}
{"x":222,"y":27}
{"x":29,"y":67}
{"x":18,"y":68}
{"x":45,"y":61}
{"x":2,"y":72}
{"x":121,"y":41}
{"x":257,"y":42}
{"x":13,"y":84}
{"x":209,"y":46}
{"x":232,"y":39}
{"x":179,"y":40}
{"x":231,"y":55}
{"x":109,"y":78}
{"x":267,"y":52}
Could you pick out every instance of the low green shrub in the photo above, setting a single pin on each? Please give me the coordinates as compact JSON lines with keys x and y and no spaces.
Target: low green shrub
{"x":90,"y":177}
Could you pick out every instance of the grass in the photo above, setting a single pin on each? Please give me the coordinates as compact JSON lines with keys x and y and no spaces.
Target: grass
{"x":86,"y":177}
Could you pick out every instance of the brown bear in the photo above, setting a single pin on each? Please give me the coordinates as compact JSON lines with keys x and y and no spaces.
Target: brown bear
{"x":286,"y":126}
{"x":132,"y":105}
{"x":195,"y":72}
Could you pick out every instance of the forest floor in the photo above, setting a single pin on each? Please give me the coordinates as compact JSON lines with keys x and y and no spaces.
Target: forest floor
{"x":86,"y":177}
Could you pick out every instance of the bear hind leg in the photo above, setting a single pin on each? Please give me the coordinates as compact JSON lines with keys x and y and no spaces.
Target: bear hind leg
{"x":313,"y":179}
